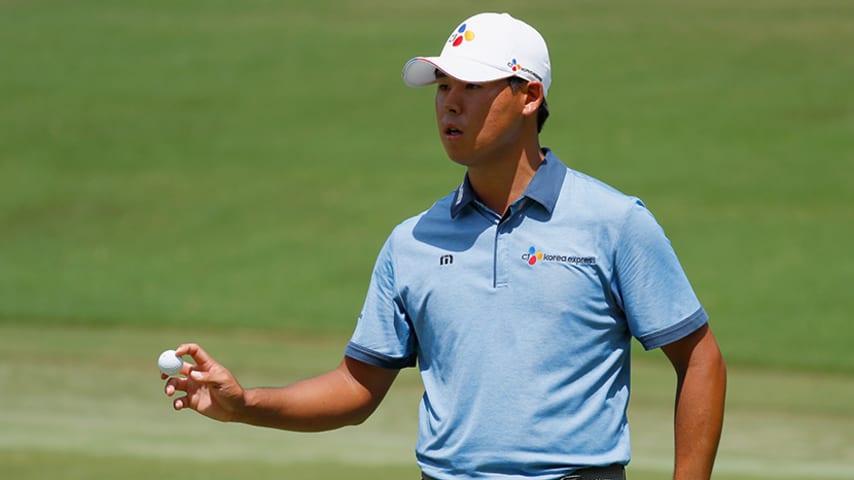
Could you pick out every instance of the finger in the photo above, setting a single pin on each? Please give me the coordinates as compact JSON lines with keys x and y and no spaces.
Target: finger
{"x":200,"y":376}
{"x":180,"y":403}
{"x":175,"y":384}
{"x":186,"y":367}
{"x":199,"y":355}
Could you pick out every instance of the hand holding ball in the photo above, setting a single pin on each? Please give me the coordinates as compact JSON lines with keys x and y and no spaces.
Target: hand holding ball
{"x":170,"y":363}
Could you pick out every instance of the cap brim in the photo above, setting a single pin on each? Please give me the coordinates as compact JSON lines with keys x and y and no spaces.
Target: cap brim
{"x":421,"y":71}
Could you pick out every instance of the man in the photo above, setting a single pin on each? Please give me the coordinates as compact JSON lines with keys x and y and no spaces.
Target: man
{"x":517,"y":296}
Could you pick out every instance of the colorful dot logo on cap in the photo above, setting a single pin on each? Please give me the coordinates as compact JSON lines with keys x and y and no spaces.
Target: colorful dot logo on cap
{"x":462,"y":34}
{"x":514,"y":65}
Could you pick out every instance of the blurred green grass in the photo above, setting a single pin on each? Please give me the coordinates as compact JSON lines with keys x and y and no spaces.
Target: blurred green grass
{"x":226,"y":172}
{"x":87,"y":402}
{"x":214,"y":164}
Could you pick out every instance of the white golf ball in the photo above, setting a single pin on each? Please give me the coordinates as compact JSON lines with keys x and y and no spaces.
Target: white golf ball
{"x":170,"y":363}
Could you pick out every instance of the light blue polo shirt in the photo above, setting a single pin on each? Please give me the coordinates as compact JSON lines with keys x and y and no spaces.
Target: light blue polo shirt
{"x":521,"y":326}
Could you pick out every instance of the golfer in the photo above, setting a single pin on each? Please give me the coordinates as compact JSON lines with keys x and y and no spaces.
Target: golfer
{"x":517,"y":297}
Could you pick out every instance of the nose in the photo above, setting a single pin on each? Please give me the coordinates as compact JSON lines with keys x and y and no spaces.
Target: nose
{"x":450,"y":102}
{"x":452,"y":108}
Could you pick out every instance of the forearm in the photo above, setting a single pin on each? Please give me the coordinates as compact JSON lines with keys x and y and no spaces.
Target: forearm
{"x":322,"y":403}
{"x":699,"y":417}
{"x":345,"y":396}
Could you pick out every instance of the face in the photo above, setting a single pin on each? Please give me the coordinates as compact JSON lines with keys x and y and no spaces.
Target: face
{"x":478,"y":121}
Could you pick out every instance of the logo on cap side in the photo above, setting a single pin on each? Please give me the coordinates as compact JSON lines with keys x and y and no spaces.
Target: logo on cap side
{"x":462,"y":33}
{"x":515,"y":67}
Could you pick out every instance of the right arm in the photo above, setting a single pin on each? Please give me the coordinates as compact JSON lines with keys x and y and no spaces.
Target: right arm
{"x":344,"y":396}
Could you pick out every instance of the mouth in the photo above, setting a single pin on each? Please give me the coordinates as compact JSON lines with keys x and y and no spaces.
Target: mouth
{"x":452,"y":131}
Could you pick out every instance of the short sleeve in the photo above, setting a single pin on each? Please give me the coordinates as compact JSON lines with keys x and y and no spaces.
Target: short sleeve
{"x":659,"y":302}
{"x":383,"y":336}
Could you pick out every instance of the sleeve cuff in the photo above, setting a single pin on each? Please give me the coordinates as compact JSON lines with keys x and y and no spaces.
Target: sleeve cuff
{"x":364,"y":355}
{"x":675,"y":332}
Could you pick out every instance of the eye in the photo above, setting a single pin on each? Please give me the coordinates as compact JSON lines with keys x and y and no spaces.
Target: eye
{"x":473,"y":86}
{"x":443,"y":87}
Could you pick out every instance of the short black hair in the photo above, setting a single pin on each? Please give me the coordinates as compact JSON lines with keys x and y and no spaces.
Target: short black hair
{"x":542,"y":112}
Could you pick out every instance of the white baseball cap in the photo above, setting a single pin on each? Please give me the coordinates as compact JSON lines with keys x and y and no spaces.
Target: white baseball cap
{"x":486,"y":47}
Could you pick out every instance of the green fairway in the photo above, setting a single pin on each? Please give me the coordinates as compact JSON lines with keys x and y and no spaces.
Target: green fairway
{"x":88,"y":403}
{"x":218,"y":165}
{"x":226,"y":172}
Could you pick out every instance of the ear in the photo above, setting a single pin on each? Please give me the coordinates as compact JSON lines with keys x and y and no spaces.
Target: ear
{"x":534,"y":95}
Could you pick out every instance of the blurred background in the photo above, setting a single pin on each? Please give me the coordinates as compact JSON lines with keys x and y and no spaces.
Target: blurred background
{"x":226,"y":172}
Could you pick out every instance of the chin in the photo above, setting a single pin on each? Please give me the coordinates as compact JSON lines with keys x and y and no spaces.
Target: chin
{"x":459,"y":160}
{"x":455,"y":156}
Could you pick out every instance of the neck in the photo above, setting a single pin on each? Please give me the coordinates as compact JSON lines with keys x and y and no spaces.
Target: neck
{"x":503,"y":181}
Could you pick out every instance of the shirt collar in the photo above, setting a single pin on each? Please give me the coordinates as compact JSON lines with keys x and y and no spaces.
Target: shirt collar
{"x":544,"y":188}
